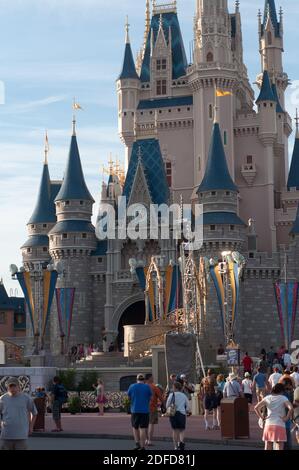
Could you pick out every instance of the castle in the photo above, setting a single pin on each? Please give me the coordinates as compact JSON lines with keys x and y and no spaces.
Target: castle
{"x":232,"y":158}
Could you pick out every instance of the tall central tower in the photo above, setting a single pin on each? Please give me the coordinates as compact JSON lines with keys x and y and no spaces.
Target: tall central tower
{"x":213,"y":68}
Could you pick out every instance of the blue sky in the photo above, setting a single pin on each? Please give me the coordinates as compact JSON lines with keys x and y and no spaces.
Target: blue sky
{"x":53,"y":50}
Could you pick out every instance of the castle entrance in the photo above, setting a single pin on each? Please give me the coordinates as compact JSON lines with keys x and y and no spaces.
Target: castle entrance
{"x":133,"y":315}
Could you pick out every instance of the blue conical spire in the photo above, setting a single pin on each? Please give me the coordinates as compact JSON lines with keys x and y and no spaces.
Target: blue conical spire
{"x":293,"y":180}
{"x":128,"y":68}
{"x":217,"y":176}
{"x":44,"y":211}
{"x":266,"y":93}
{"x":74,"y":186}
{"x":270,"y":9}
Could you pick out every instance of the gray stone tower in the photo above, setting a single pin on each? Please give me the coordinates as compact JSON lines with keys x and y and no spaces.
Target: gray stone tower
{"x":35,"y":251}
{"x":72,"y":240}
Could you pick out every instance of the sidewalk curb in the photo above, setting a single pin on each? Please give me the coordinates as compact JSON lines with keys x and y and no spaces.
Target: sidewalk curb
{"x":191,"y":440}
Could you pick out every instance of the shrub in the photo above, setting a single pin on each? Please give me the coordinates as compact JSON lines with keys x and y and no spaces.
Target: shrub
{"x":68,"y":378}
{"x":89,"y":378}
{"x":74,"y":405}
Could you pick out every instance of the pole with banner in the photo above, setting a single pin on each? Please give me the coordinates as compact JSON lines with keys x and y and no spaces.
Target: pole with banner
{"x":65,"y":303}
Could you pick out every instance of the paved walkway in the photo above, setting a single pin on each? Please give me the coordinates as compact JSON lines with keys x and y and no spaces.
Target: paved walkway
{"x":118,"y":426}
{"x":35,"y":443}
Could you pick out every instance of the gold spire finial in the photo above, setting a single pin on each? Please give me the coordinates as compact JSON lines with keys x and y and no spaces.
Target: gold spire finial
{"x":46,"y":148}
{"x":76,"y":107}
{"x":74,"y":117}
{"x":297,"y":124}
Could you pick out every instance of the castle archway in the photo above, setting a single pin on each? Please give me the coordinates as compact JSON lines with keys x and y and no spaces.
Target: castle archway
{"x":134,"y":314}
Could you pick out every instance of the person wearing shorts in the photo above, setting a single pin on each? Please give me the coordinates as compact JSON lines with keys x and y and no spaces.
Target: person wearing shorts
{"x":208,"y":387}
{"x":18,"y":414}
{"x":157,"y":396}
{"x":178,"y":421}
{"x":260,"y":383}
{"x":140,"y":395}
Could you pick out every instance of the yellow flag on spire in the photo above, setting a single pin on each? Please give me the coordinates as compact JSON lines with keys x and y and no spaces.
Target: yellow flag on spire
{"x":77,"y":106}
{"x":220,"y":93}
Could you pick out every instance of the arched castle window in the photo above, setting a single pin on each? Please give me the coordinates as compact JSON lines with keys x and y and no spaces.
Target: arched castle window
{"x":210,"y":57}
{"x":210,"y":111}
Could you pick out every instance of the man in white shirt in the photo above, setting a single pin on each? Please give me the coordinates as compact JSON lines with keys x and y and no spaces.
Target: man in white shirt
{"x":274,"y":378}
{"x":295,"y":376}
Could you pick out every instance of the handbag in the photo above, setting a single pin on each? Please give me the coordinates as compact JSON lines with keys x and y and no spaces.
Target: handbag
{"x":171,"y":409}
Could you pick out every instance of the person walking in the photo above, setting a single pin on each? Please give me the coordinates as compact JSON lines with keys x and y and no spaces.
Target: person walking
{"x":260,"y":384}
{"x":101,"y":399}
{"x":178,"y":421}
{"x":270,"y":357}
{"x":157,"y":396}
{"x":247,"y":363}
{"x":219,"y":395}
{"x":58,"y":398}
{"x":140,"y":395}
{"x":275,"y":422}
{"x":274,"y":378}
{"x":287,"y":360}
{"x":169,"y":388}
{"x":295,"y":376}
{"x":232,"y":388}
{"x":18,"y":414}
{"x":208,"y":390}
{"x":247,"y":387}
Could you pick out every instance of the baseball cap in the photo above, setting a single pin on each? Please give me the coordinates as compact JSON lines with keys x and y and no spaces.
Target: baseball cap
{"x":12,"y":381}
{"x":140,"y":377}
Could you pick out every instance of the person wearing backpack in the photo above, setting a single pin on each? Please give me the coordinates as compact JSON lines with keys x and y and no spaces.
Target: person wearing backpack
{"x":177,"y":409}
{"x":59,"y":397}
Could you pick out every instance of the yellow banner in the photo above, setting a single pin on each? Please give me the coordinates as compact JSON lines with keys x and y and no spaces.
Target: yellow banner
{"x":220,"y":93}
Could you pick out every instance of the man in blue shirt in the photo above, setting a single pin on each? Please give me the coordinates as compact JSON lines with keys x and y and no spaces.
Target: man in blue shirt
{"x":140,"y":395}
{"x":260,"y":384}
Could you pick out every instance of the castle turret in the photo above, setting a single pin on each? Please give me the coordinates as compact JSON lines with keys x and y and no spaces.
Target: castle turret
{"x":268,"y":135}
{"x":223,"y":228}
{"x":267,"y":109}
{"x":271,"y":46}
{"x":72,"y":240}
{"x":127,"y":90}
{"x":43,"y":218}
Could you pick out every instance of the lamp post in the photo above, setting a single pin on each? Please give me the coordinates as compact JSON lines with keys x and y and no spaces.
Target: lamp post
{"x":62,"y":276}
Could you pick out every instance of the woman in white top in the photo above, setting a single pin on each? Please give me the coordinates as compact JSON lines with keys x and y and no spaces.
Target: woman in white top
{"x":247,"y":387}
{"x":275,"y":422}
{"x":178,"y":421}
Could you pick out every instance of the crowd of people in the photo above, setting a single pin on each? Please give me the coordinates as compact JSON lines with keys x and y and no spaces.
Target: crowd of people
{"x":147,"y":399}
{"x":270,"y":386}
